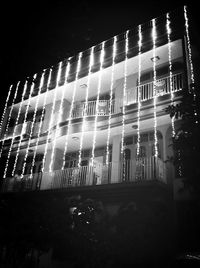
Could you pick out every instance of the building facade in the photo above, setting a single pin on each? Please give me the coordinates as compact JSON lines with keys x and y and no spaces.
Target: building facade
{"x":99,"y":117}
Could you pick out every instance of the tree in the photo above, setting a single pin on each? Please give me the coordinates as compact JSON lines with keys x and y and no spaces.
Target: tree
{"x":186,"y":142}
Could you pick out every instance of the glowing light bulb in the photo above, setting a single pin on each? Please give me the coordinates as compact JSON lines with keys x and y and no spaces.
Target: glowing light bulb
{"x":190,"y":58}
{"x":86,"y":105}
{"x":23,"y":127}
{"x":71,"y":108}
{"x":170,"y":68}
{"x":50,"y":125}
{"x":5,"y":107}
{"x":41,"y":118}
{"x":154,"y":88}
{"x":32,"y":125}
{"x":97,"y":101}
{"x":14,"y":132}
{"x":111,"y":100}
{"x":123,"y":106}
{"x":9,"y":117}
{"x":139,"y":90}
{"x":59,"y":116}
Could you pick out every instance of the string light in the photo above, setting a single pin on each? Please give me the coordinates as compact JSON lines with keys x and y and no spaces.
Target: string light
{"x":57,"y":131}
{"x":190,"y":59}
{"x":23,"y":126}
{"x":111,"y":100}
{"x":154,"y":88}
{"x":86,"y":105}
{"x":139,"y":90}
{"x":52,"y":116}
{"x":170,"y":68}
{"x":9,"y":117}
{"x":41,"y":118}
{"x":50,"y":125}
{"x":5,"y":107}
{"x":15,"y":127}
{"x":97,"y":101}
{"x":71,"y":108}
{"x":32,"y":124}
{"x":123,"y":106}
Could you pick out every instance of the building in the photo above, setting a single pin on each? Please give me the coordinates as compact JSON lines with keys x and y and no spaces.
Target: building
{"x":95,"y":124}
{"x":98,"y":117}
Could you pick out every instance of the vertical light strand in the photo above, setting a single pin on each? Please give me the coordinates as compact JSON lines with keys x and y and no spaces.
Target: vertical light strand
{"x":97,"y":101}
{"x":23,"y":126}
{"x":41,"y":118}
{"x":9,"y":117}
{"x":57,"y":132}
{"x":154,"y":36}
{"x":5,"y":107}
{"x":139,"y":89}
{"x":86,"y":105}
{"x":71,"y":109}
{"x":111,"y":99}
{"x":51,"y":121}
{"x":33,"y":123}
{"x":170,"y":68}
{"x":15,"y":127}
{"x":190,"y":61}
{"x":123,"y":104}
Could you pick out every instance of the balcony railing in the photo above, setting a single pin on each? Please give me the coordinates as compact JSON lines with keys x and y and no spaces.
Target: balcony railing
{"x":103,"y":108}
{"x":142,"y":169}
{"x":162,"y":87}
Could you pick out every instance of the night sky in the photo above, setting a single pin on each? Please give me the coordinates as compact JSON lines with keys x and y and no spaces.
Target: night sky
{"x":37,"y":34}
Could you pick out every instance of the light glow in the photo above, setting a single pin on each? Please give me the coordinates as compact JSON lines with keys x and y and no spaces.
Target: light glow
{"x":59,"y":116}
{"x":154,"y":36}
{"x":190,"y":60}
{"x":86,"y":105}
{"x":71,"y":108}
{"x":170,"y":68}
{"x":111,"y":100}
{"x":50,"y":125}
{"x":97,"y":101}
{"x":15,"y":127}
{"x":5,"y":107}
{"x":32,"y":125}
{"x":41,"y":118}
{"x":123,"y":105}
{"x":23,"y":126}
{"x":9,"y":117}
{"x":139,"y":90}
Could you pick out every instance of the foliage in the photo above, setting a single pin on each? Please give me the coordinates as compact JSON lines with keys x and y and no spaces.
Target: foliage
{"x":186,"y":142}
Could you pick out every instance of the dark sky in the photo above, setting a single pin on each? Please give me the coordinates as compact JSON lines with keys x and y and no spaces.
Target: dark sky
{"x":39,"y":34}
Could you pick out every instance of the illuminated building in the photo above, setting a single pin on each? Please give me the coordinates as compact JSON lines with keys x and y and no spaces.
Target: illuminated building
{"x":98,"y":118}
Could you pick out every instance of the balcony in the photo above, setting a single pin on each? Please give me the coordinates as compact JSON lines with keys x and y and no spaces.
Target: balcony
{"x":89,"y":108}
{"x":142,"y":169}
{"x":162,"y":87}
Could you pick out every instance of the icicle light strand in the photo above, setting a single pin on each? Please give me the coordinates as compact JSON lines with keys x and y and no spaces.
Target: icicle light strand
{"x":50,"y":125}
{"x":97,"y":102}
{"x":5,"y":107}
{"x":154,"y":88}
{"x":170,"y":68}
{"x":9,"y":117}
{"x":41,"y":118}
{"x":123,"y":104}
{"x":24,"y":126}
{"x":32,"y":124}
{"x":111,"y":100}
{"x":59,"y":116}
{"x":15,"y":127}
{"x":86,"y":105}
{"x":190,"y":61}
{"x":139,"y":89}
{"x":71,"y":108}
